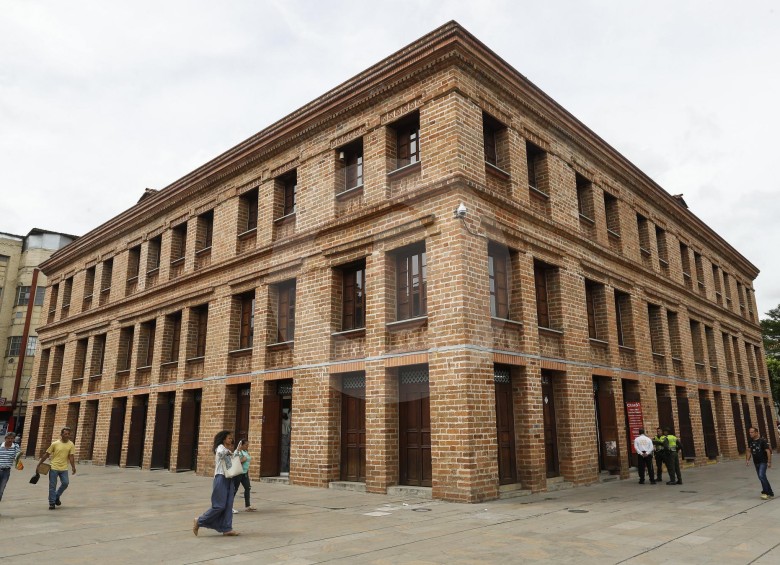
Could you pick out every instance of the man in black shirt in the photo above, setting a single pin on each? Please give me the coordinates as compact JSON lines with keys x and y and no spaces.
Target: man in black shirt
{"x":762,"y":458}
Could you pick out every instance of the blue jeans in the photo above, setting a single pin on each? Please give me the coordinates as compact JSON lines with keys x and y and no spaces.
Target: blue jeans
{"x":766,"y":488}
{"x":54,"y":492}
{"x":5,"y":474}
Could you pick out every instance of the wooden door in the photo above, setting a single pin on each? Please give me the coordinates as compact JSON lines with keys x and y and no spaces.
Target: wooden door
{"x":163,"y":430}
{"x":505,"y":429}
{"x":136,"y":441}
{"x":630,"y":396}
{"x":270,"y":441}
{"x":550,"y":429}
{"x":242,"y":412}
{"x":92,"y":412}
{"x":760,"y":417}
{"x":685,"y":433}
{"x":746,"y":414}
{"x":353,"y":435}
{"x":708,"y":427}
{"x":665,"y":413}
{"x":414,"y":419}
{"x":188,"y":439}
{"x":32,"y":433}
{"x":116,"y":431}
{"x":738,"y":429}
{"x":606,"y":422}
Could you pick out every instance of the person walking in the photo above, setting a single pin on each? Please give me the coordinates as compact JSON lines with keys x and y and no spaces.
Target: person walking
{"x":674,"y":447}
{"x":661,"y":447}
{"x":243,"y":478}
{"x":9,"y":453}
{"x":220,"y":516}
{"x":62,"y":452}
{"x":643,"y":446}
{"x":762,"y":459}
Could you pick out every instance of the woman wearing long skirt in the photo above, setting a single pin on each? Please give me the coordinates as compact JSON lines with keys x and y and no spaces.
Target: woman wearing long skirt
{"x":220,"y":516}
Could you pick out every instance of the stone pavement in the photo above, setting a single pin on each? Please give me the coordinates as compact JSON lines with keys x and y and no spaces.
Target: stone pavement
{"x":116,"y":515}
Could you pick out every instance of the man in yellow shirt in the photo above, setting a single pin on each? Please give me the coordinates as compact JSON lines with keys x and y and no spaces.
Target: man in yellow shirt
{"x":61,"y":453}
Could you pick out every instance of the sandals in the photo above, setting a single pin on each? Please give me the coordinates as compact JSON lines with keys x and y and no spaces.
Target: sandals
{"x":231,"y":533}
{"x":250,"y":509}
{"x":195,"y":526}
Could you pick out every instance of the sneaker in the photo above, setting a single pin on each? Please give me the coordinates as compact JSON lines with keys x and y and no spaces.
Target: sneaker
{"x":235,"y":511}
{"x":52,"y":507}
{"x":764,"y":497}
{"x":679,"y":482}
{"x":771,"y":496}
{"x":57,"y":502}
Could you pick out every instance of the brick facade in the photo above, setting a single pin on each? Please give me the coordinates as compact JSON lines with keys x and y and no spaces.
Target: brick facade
{"x":565,"y":208}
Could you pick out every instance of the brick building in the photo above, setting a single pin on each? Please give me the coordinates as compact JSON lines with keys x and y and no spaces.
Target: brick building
{"x":313,"y":288}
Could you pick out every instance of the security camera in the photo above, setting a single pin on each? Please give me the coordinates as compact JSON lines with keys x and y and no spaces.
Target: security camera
{"x":460,"y":211}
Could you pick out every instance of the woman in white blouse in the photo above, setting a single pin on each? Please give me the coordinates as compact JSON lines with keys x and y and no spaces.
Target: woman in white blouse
{"x":220,"y":516}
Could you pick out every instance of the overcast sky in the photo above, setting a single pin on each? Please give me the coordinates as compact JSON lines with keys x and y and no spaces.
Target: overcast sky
{"x":99,"y":100}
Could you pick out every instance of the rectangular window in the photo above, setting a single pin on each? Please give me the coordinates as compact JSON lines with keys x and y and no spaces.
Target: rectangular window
{"x":727,"y":289}
{"x":146,"y":344}
{"x":32,"y":346}
{"x":696,"y":342}
{"x":153,"y":254}
{"x":685,"y":258}
{"x":596,"y":310}
{"x":718,"y":286}
{"x":173,"y":337}
{"x":663,"y":253}
{"x":656,"y":329}
{"x":98,"y":355}
{"x":495,"y":142}
{"x":246,"y":320}
{"x":125,"y":353}
{"x":741,"y":298}
{"x":199,"y":321}
{"x":55,"y":290}
{"x":22,"y":296}
{"x":612,"y":214}
{"x":623,"y":319}
{"x":105,"y":278}
{"x":643,"y":228}
{"x":675,"y":342}
{"x":205,"y":231}
{"x":133,"y":262}
{"x":14,"y":346}
{"x":178,"y":242}
{"x":541,"y":282}
{"x":499,"y":270}
{"x":40,"y":295}
{"x":67,"y":291}
{"x":350,"y":167}
{"x":585,"y":198}
{"x":699,"y":263}
{"x":247,"y":211}
{"x":89,"y":285}
{"x":285,"y":312}
{"x":407,"y":135}
{"x":411,"y":283}
{"x":536,"y":160}
{"x":354,"y":297}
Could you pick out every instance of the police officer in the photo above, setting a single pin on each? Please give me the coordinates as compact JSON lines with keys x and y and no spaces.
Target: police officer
{"x":672,"y":458}
{"x":661,"y":446}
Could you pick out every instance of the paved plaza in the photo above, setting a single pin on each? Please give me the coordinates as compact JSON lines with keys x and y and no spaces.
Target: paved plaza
{"x":116,"y":515}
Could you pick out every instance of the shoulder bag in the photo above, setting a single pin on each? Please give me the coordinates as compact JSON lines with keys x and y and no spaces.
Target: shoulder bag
{"x":233,"y":466}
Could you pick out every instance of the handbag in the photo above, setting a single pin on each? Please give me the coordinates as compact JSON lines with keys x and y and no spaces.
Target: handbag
{"x":43,"y":469}
{"x":235,"y":468}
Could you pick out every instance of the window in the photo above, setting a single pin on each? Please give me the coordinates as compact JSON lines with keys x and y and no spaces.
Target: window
{"x":698,"y":262}
{"x":172,"y":337}
{"x":663,"y":254}
{"x":14,"y":346}
{"x":353,"y":297}
{"x":349,"y":167}
{"x":286,"y":194}
{"x":89,"y":286}
{"x":643,"y":228}
{"x":411,"y":283}
{"x":675,"y":342}
{"x":685,"y":259}
{"x":199,"y":320}
{"x":205,"y":231}
{"x":55,"y":289}
{"x":494,"y":135}
{"x":656,"y":329}
{"x":125,"y":353}
{"x":543,"y":275}
{"x":499,"y":269}
{"x":285,"y":312}
{"x":153,"y":254}
{"x":67,"y":290}
{"x":178,"y":242}
{"x":536,"y":160}
{"x":98,"y":355}
{"x":246,"y":334}
{"x":80,"y":359}
{"x":146,"y":343}
{"x":407,"y":137}
{"x":22,"y":296}
{"x":247,"y":211}
{"x":612,"y":213}
{"x":623,"y":319}
{"x":595,"y":304}
{"x":32,"y":346}
{"x":133,"y":262}
{"x":585,"y":198}
{"x":697,"y":343}
{"x":741,"y":299}
{"x":727,"y":289}
{"x":718,"y":286}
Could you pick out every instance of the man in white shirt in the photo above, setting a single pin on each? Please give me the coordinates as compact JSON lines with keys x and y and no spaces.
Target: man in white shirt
{"x":643,"y":446}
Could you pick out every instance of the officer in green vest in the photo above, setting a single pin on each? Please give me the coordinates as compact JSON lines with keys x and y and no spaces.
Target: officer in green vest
{"x":661,"y":447}
{"x":672,"y":458}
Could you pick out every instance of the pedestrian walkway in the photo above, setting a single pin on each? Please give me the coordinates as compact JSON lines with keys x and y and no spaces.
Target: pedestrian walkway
{"x":119,"y":516}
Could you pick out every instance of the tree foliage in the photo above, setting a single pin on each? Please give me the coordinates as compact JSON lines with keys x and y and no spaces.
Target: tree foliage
{"x":773,"y":365}
{"x":770,"y":330}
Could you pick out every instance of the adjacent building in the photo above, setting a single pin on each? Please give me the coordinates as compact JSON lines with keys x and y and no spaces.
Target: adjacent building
{"x":431,"y":276}
{"x":22,"y":292}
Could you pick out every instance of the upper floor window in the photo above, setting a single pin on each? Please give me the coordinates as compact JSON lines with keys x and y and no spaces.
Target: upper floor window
{"x":153,"y":254}
{"x":547,"y":287}
{"x":585,"y":198}
{"x":350,"y":167}
{"x":40,"y":296}
{"x":98,"y":355}
{"x":125,"y":354}
{"x":663,"y":253}
{"x":411,"y":282}
{"x":146,"y":344}
{"x":133,"y":262}
{"x":285,"y":312}
{"x":407,"y":140}
{"x":699,"y":263}
{"x":246,"y":320}
{"x":172,"y":337}
{"x":67,"y":291}
{"x":55,"y":290}
{"x":199,"y":320}
{"x":685,"y":259}
{"x":205,"y":231}
{"x":353,"y":311}
{"x":612,"y":214}
{"x":14,"y":346}
{"x":178,"y":242}
{"x":286,"y":194}
{"x":595,"y":305}
{"x":22,"y":296}
{"x":536,"y":159}
{"x":105,"y":280}
{"x":494,"y":136}
{"x":624,"y":319}
{"x":247,"y":211}
{"x":656,"y":328}
{"x":89,"y":285}
{"x":499,"y":271}
{"x":643,"y":228}
{"x":717,"y":283}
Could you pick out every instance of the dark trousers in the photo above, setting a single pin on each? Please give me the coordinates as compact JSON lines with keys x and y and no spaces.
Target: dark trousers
{"x":660,"y":458}
{"x":673,"y":466}
{"x":645,"y":463}
{"x":5,"y":474}
{"x":766,"y":488}
{"x":242,"y":479}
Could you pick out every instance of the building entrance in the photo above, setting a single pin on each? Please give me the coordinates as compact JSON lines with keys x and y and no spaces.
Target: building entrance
{"x":552,"y":464}
{"x":116,"y":431}
{"x":189,"y":430}
{"x":414,"y":422}
{"x":163,"y":431}
{"x":353,"y":427}
{"x":136,"y":441}
{"x":505,"y":426}
{"x":606,"y":424}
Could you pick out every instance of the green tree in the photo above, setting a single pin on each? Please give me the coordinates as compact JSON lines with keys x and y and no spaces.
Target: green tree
{"x":773,"y":365}
{"x":770,"y":329}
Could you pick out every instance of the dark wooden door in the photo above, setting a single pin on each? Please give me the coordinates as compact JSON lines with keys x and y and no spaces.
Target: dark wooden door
{"x":116,"y":431}
{"x":163,"y":431}
{"x":630,"y":396}
{"x":188,"y":437}
{"x":738,"y":429}
{"x":414,"y":419}
{"x":32,"y":433}
{"x":552,"y":464}
{"x":760,"y":416}
{"x":505,"y":429}
{"x":353,"y":436}
{"x":708,"y":427}
{"x":685,"y":433}
{"x":606,"y":421}
{"x":665,"y":413}
{"x":92,"y":412}
{"x":270,"y":441}
{"x":136,"y":441}
{"x":770,"y":427}
{"x":242,"y":412}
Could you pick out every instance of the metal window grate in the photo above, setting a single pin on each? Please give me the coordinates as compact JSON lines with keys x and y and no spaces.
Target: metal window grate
{"x":501,"y":375}
{"x":284,"y":388}
{"x":413,"y":375}
{"x":353,"y":380}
